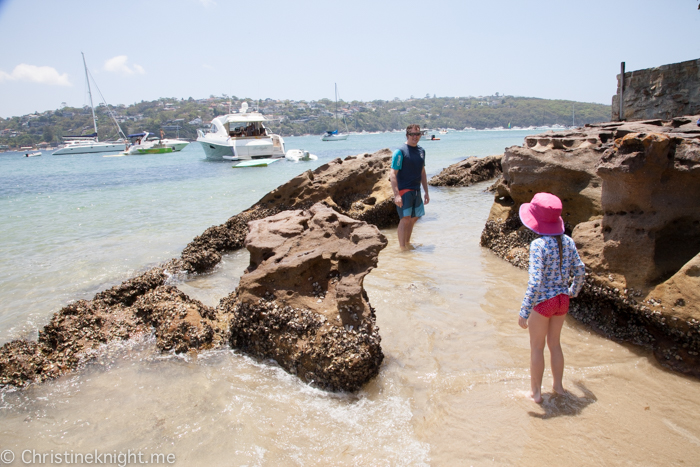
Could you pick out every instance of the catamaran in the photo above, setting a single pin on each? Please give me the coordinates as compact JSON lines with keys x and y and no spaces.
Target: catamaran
{"x":85,"y":144}
{"x":334,"y":135}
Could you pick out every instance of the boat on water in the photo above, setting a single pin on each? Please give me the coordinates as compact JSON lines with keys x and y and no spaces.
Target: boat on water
{"x":30,"y":151}
{"x":240,"y":136}
{"x":296,"y":155}
{"x":142,"y":145}
{"x":86,"y":144}
{"x":255,"y":163}
{"x":334,"y":135}
{"x":83,"y":145}
{"x":176,"y":144}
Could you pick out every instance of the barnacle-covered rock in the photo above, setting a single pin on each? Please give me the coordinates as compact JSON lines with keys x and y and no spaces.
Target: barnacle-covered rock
{"x":302,"y":300}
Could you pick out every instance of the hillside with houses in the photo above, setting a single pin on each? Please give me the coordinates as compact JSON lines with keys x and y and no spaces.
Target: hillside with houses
{"x":182,"y":117}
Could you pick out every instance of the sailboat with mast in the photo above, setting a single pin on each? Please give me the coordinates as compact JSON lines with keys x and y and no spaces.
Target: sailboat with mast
{"x":85,"y":144}
{"x":334,"y":135}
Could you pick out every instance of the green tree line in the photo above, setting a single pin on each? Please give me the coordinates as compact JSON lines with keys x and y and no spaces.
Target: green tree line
{"x":182,"y":116}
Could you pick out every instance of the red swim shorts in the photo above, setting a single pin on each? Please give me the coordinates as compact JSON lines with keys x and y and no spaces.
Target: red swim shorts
{"x":557,"y":306}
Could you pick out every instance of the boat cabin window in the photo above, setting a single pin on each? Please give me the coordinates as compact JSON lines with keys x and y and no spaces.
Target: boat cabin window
{"x":246,"y":129}
{"x":213,"y":128}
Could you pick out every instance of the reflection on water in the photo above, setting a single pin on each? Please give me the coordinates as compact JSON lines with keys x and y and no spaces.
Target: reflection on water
{"x":452,"y":389}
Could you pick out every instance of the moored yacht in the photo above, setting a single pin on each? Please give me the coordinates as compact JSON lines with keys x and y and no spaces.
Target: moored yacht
{"x":240,"y":136}
{"x":87,"y":144}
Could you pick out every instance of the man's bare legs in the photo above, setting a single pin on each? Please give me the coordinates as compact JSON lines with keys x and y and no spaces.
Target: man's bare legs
{"x":405,"y":230}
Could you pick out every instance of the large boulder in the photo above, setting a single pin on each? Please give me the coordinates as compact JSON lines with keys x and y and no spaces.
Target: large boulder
{"x":302,"y":300}
{"x":631,"y":198}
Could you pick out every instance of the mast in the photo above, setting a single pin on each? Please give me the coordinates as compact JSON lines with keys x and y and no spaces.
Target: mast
{"x":92,"y":107}
{"x":336,"y":106}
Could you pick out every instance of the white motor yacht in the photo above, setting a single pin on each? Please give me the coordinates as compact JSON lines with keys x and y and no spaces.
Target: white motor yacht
{"x":240,"y":136}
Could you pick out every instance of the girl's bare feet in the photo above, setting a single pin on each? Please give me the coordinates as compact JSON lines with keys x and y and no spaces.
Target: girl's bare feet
{"x":537,"y":397}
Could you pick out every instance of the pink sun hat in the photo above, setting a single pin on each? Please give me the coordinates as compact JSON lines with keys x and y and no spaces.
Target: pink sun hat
{"x":543,"y":214}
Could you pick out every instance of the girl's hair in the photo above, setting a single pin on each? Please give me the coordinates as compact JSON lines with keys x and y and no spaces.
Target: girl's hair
{"x":561,"y":254}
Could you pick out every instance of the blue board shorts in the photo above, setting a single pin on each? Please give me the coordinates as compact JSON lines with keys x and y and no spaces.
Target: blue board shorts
{"x":412,"y":205}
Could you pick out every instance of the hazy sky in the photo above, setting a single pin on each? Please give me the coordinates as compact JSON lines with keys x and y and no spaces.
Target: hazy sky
{"x":296,"y":49}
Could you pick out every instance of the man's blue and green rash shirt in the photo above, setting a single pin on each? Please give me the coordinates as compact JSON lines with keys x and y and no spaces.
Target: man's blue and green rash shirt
{"x":409,"y":161}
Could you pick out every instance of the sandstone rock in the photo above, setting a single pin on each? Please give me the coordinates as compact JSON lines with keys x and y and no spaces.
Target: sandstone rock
{"x":651,"y":225}
{"x":302,"y":301}
{"x":630,"y":193}
{"x":357,"y":186}
{"x":469,"y":171}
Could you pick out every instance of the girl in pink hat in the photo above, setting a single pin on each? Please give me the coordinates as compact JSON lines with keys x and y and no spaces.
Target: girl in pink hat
{"x":553,"y":260}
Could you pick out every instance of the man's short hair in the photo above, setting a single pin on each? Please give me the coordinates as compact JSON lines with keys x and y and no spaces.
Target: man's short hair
{"x":412,"y":126}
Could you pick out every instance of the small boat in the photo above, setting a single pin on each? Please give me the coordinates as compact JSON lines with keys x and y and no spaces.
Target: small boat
{"x":255,"y":163}
{"x":30,"y":151}
{"x":142,"y":145}
{"x":333,"y":135}
{"x":297,"y":155}
{"x":240,"y":136}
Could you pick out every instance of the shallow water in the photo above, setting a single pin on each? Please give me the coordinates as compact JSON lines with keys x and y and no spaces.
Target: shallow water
{"x":452,"y":389}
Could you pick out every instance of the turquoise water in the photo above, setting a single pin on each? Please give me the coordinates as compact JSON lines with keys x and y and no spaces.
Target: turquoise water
{"x":74,"y":225}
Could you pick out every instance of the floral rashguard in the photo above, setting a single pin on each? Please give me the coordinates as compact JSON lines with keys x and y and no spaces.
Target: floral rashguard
{"x":545,"y":280}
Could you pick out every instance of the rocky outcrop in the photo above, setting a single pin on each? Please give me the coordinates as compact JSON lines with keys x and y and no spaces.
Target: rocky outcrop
{"x":357,"y":186}
{"x":135,"y":308}
{"x":469,"y":171}
{"x":302,"y":300}
{"x":630,"y":194}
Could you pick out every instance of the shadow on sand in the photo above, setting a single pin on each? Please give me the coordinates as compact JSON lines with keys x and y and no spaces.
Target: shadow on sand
{"x":569,"y":404}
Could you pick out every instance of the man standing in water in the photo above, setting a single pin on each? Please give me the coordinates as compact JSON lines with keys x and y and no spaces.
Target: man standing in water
{"x":407,"y":176}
